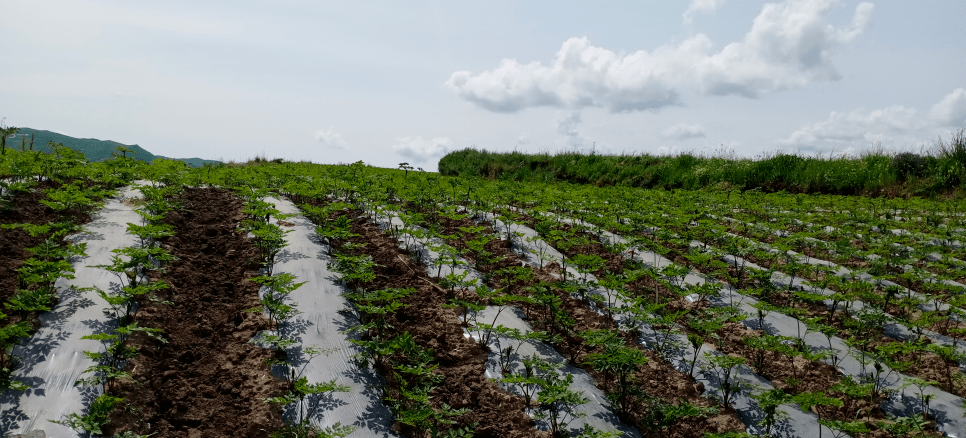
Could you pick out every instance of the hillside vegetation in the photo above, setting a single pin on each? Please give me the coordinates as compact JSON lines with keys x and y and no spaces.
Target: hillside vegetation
{"x":939,"y":172}
{"x":93,"y":149}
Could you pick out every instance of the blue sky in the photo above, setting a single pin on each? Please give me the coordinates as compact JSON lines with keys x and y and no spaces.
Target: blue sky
{"x":386,"y":82}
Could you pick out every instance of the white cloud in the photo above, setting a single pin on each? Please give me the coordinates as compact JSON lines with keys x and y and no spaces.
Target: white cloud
{"x":894,"y":127}
{"x":683,"y":131}
{"x":573,"y":139}
{"x":421,"y":151}
{"x":951,"y":110}
{"x":789,"y":46}
{"x":581,"y":75}
{"x":569,"y":129}
{"x":330,"y":138}
{"x":700,"y":6}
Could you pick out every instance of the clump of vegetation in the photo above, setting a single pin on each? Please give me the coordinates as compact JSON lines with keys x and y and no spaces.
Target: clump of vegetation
{"x":942,"y":170}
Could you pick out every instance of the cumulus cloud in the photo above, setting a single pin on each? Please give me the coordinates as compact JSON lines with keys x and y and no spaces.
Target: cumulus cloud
{"x":581,"y":75}
{"x":895,"y":126}
{"x":789,"y":46}
{"x":421,"y":151}
{"x":951,"y":110}
{"x":683,"y":131}
{"x":330,"y":138}
{"x":700,"y":6}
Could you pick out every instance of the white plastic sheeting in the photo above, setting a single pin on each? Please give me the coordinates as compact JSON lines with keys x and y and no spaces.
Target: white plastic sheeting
{"x":320,"y":324}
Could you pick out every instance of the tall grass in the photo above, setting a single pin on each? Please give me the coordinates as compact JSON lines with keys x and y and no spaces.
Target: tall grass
{"x":939,"y":171}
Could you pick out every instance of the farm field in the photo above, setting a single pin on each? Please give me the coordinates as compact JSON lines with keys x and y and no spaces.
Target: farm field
{"x":296,"y":300}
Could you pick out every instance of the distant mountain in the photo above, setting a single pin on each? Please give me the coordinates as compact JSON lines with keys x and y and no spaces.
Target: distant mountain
{"x":93,"y":149}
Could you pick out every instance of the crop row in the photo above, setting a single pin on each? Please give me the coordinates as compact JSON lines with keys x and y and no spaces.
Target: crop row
{"x":688,"y":320}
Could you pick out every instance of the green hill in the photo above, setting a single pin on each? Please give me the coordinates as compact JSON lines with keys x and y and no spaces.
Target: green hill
{"x":93,"y":149}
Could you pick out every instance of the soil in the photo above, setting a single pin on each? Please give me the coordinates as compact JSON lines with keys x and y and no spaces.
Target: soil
{"x":207,"y":380}
{"x":461,"y":361}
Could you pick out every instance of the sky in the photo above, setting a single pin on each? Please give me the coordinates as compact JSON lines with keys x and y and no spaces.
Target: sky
{"x":388,"y":82}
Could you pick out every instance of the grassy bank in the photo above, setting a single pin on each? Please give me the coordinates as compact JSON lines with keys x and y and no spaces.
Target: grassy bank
{"x":939,"y":172}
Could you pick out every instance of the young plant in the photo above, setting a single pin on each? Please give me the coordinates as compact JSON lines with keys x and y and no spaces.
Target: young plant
{"x":809,"y":400}
{"x":355,"y":270}
{"x":724,"y":369}
{"x":302,"y":427}
{"x":769,"y":402}
{"x":515,"y":339}
{"x":116,"y":352}
{"x":621,"y":362}
{"x":95,"y":418}
{"x":277,"y":287}
{"x":696,"y":340}
{"x":557,"y":403}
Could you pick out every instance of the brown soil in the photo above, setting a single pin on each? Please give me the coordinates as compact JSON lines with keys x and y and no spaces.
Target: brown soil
{"x":207,"y":380}
{"x":461,"y":362}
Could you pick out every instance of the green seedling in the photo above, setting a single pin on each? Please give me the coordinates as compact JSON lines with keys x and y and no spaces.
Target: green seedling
{"x":123,"y":304}
{"x":355,"y":270}
{"x":26,"y":301}
{"x":696,"y":341}
{"x":527,"y":380}
{"x":9,"y":336}
{"x":269,"y":240}
{"x":557,"y":402}
{"x":96,"y":417}
{"x":501,"y":302}
{"x":620,"y":362}
{"x":725,"y":369}
{"x":275,"y":342}
{"x":809,"y":400}
{"x":67,"y":198}
{"x":466,"y":310}
{"x":913,"y":425}
{"x":375,"y":307}
{"x":921,"y":385}
{"x":115,"y":353}
{"x":590,"y":432}
{"x":277,"y":287}
{"x":661,"y":414}
{"x":769,"y":402}
{"x":150,"y":233}
{"x":302,"y":426}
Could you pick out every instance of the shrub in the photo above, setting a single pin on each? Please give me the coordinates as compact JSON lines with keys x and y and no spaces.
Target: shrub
{"x":909,"y":164}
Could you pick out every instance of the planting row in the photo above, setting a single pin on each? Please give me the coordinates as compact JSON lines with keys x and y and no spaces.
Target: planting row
{"x":329,"y":300}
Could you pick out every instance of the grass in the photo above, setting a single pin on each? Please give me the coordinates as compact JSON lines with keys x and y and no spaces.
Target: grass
{"x":941,"y":171}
